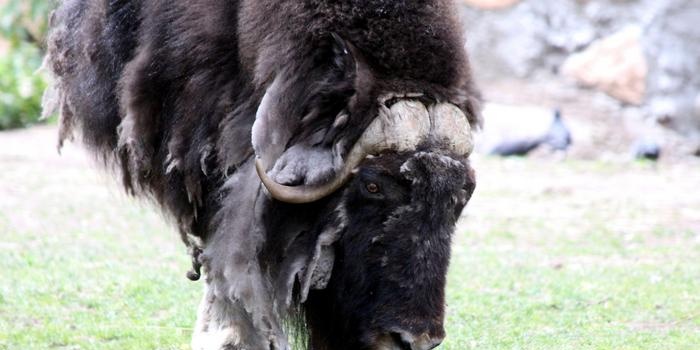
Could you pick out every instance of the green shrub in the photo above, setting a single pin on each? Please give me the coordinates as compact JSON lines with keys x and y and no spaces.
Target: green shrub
{"x":25,"y":20}
{"x":21,"y":86}
{"x":23,"y":27}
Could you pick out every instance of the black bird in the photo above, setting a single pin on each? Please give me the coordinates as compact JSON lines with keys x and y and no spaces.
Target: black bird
{"x":646,"y":149}
{"x":558,"y":136}
{"x":520,"y":147}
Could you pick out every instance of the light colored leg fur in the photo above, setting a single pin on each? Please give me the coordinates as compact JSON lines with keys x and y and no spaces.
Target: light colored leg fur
{"x":223,"y":325}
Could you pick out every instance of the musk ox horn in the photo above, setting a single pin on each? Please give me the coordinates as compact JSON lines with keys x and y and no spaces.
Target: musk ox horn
{"x":451,"y":128}
{"x":401,"y":127}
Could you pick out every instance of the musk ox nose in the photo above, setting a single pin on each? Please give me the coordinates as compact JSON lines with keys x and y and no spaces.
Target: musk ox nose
{"x":407,"y":341}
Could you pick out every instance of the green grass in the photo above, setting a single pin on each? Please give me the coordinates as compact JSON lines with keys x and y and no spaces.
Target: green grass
{"x":571,"y":255}
{"x":83,"y":267}
{"x":578,"y":256}
{"x":503,"y":297}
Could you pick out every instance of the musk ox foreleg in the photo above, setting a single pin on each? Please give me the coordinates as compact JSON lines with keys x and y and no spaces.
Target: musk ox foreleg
{"x":223,"y":325}
{"x":238,"y":311}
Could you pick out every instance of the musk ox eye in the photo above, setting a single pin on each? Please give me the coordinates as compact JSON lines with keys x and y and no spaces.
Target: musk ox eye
{"x":372,"y":188}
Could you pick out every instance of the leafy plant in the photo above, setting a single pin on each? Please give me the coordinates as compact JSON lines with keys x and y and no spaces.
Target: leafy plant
{"x":23,"y":27}
{"x":25,"y":21}
{"x":21,"y":86}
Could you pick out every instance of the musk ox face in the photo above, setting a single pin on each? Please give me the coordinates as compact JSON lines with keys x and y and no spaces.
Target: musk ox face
{"x":387,"y":287}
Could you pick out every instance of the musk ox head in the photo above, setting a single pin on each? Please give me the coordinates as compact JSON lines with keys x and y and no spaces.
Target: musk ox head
{"x":394,"y":195}
{"x":386,"y":290}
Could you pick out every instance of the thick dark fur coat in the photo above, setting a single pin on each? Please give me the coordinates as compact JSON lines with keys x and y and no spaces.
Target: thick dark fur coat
{"x":165,"y":92}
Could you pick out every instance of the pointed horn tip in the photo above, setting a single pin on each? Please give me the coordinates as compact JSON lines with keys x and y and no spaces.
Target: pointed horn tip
{"x":287,"y":194}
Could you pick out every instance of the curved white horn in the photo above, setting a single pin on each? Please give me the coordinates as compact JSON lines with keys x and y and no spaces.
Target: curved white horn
{"x":401,"y":127}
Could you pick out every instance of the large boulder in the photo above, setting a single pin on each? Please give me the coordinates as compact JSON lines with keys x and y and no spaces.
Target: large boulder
{"x":526,"y":39}
{"x":615,"y":65}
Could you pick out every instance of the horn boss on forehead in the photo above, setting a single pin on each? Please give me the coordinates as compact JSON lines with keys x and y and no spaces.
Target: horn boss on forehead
{"x":400,"y":127}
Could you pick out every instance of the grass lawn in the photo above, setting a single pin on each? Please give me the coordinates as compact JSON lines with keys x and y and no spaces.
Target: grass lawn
{"x":550,"y":255}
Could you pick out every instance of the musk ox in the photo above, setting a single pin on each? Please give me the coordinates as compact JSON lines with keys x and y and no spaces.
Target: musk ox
{"x":313,"y":154}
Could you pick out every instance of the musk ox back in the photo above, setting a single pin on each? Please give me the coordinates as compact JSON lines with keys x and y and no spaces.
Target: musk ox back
{"x":313,"y":153}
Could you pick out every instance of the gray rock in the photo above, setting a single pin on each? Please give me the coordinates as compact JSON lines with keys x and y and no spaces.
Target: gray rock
{"x":535,"y":37}
{"x":673,"y":39}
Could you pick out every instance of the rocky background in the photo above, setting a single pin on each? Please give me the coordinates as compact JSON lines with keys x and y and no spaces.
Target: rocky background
{"x":622,"y":71}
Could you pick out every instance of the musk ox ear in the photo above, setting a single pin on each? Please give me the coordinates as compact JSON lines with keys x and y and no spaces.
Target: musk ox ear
{"x":296,"y":125}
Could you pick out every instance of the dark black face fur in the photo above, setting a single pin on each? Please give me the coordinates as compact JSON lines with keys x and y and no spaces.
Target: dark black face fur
{"x":391,"y":262}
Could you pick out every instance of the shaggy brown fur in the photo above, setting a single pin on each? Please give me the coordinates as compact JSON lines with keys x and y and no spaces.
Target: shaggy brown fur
{"x":166,"y":92}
